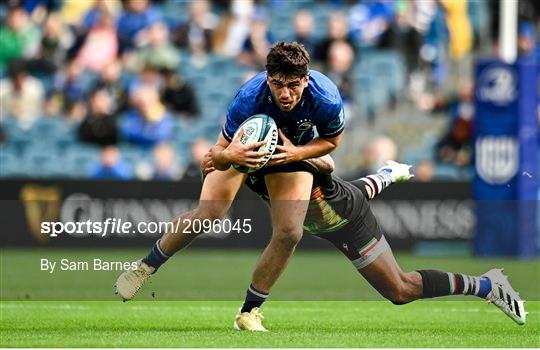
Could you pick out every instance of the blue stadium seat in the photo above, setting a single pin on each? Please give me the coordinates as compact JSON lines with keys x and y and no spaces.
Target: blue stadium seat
{"x":79,"y":157}
{"x":175,"y":9}
{"x":446,"y":172}
{"x":218,"y":65}
{"x":211,"y":133}
{"x":236,"y":71}
{"x":41,"y":162}
{"x":429,"y":140}
{"x":185,"y":132}
{"x":466,"y":173}
{"x":49,"y":127}
{"x":321,"y":12}
{"x":133,"y":154}
{"x":16,"y":136}
{"x":410,"y":156}
{"x":10,"y":163}
{"x":364,"y":93}
{"x":390,"y":65}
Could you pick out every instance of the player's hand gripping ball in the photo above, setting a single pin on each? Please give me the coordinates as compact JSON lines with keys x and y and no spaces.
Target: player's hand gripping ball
{"x":259,"y":127}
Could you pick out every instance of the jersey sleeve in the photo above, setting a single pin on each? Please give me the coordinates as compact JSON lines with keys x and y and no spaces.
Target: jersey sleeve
{"x":239,"y":110}
{"x":330,"y":120}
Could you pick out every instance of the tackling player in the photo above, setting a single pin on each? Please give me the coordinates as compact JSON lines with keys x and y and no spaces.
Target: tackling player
{"x":300,"y":100}
{"x":339,"y":212}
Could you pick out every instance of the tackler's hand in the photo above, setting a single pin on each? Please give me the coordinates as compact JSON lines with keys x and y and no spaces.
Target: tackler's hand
{"x":398,"y":172}
{"x":207,"y":166}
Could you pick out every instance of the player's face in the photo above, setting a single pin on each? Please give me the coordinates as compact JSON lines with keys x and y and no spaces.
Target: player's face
{"x":287,"y":91}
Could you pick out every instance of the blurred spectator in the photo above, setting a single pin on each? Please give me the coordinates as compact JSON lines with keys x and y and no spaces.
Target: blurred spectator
{"x":147,"y":75}
{"x":89,"y":19}
{"x":339,"y":68}
{"x":55,"y":41}
{"x":74,"y":43}
{"x":257,"y":44}
{"x":99,"y":126}
{"x":70,"y":91}
{"x":455,"y":145}
{"x":111,"y":166}
{"x":337,"y":31}
{"x":21,"y":95}
{"x":303,"y":30}
{"x":198,"y":149}
{"x":136,"y":16}
{"x":3,"y":136}
{"x":413,"y":20}
{"x":148,"y":122}
{"x":423,"y":171}
{"x":379,"y":150}
{"x":178,"y":95}
{"x":166,"y":165}
{"x":460,"y":40}
{"x":196,"y":34}
{"x":38,"y":9}
{"x":93,"y":15}
{"x":371,"y":22}
{"x":100,"y":46}
{"x":111,"y":80}
{"x":18,"y":37}
{"x":156,"y":49}
{"x":433,"y":52}
{"x":72,"y":12}
{"x":527,"y":40}
{"x":234,"y":28}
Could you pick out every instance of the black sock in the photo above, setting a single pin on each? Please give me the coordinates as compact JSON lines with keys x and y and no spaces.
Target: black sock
{"x":437,"y":283}
{"x":254,"y":298}
{"x":156,"y":257}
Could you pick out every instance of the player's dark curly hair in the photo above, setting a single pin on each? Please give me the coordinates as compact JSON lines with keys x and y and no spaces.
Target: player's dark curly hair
{"x":288,"y":59}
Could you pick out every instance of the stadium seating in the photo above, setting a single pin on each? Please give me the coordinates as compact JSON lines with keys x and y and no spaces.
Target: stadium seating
{"x":379,"y":77}
{"x":79,"y":158}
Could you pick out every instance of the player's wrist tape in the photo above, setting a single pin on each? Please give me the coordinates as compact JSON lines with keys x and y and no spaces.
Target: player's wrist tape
{"x":377,"y":182}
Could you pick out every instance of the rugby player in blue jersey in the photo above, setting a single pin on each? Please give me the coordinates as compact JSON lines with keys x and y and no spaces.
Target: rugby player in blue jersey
{"x":308,"y":110}
{"x":337,"y":210}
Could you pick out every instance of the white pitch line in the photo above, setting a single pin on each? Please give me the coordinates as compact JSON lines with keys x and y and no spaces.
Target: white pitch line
{"x":30,"y":305}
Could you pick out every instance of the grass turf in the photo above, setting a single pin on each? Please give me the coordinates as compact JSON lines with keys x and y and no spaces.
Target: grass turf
{"x":225,"y":274}
{"x":292,"y":324}
{"x":211,"y":285}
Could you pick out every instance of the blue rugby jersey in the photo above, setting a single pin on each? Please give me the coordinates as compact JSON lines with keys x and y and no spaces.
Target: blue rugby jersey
{"x":319,"y":110}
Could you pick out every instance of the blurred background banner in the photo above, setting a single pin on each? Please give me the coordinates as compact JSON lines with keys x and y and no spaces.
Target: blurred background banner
{"x":506,"y":158}
{"x":415,"y":217}
{"x":120,"y":100}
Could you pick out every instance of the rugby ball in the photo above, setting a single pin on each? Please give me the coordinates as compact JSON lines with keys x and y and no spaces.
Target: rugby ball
{"x":259,"y":127}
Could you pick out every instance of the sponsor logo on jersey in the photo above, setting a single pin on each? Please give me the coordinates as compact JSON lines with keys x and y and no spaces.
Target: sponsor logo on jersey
{"x":305,"y":126}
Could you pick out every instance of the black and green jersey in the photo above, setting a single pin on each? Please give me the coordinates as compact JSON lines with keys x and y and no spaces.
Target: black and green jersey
{"x":334,"y":203}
